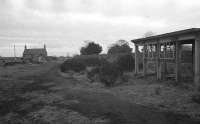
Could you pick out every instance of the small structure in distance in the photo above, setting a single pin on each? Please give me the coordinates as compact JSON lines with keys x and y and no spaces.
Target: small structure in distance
{"x":35,"y":55}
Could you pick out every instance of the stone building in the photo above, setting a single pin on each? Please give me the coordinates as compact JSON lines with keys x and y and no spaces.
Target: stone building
{"x":36,"y":55}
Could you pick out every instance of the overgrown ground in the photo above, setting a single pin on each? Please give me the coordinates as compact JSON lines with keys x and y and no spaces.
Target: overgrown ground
{"x":40,"y":94}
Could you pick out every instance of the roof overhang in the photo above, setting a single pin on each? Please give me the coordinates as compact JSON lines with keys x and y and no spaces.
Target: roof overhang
{"x":175,"y":34}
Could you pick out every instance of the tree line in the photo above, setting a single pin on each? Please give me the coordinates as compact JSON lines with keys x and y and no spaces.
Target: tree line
{"x":92,"y":48}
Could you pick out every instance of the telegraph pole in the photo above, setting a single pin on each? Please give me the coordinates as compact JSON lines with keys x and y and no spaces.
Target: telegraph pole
{"x":14,"y":52}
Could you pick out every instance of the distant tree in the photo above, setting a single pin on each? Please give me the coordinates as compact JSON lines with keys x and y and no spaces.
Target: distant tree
{"x":121,"y":46}
{"x":91,"y":48}
{"x":121,"y":42}
{"x":149,"y":33}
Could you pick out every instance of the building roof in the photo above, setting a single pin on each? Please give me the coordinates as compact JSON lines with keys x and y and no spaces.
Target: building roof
{"x":35,"y":51}
{"x":171,"y":34}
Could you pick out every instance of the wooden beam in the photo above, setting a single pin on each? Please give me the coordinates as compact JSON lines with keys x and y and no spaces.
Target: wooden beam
{"x":164,"y":61}
{"x":144,"y":61}
{"x":158,"y":63}
{"x":178,"y":61}
{"x":197,"y":62}
{"x":193,"y":56}
{"x":186,"y":37}
{"x":136,"y":59}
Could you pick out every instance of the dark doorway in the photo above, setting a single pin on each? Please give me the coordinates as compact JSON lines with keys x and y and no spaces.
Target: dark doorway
{"x":187,"y":60}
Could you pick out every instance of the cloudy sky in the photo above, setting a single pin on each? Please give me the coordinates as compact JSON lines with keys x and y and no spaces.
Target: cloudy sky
{"x":64,"y":25}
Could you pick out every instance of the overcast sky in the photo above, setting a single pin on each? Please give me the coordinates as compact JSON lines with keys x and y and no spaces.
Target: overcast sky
{"x":64,"y":25}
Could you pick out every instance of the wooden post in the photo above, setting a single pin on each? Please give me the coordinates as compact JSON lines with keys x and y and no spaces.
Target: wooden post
{"x":193,"y":56}
{"x":136,"y":59}
{"x":158,"y":64}
{"x":144,"y":61}
{"x":164,"y":61}
{"x":197,"y":62}
{"x":178,"y":61}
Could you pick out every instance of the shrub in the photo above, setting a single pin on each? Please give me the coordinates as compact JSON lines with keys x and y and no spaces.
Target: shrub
{"x":109,"y":73}
{"x":72,"y":65}
{"x":90,"y":60}
{"x":158,"y":90}
{"x":93,"y":73}
{"x":196,"y":98}
{"x":126,"y":62}
{"x":11,"y":63}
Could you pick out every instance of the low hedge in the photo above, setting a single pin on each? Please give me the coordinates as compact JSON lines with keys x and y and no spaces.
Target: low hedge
{"x":126,"y":62}
{"x":90,"y":60}
{"x":72,"y":65}
{"x":109,"y":73}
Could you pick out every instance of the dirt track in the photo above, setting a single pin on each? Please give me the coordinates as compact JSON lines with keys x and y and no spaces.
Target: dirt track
{"x":50,"y":98}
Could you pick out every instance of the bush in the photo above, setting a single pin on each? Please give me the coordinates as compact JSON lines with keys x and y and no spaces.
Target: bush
{"x":126,"y":62}
{"x":196,"y":98}
{"x":93,"y":74}
{"x":72,"y":65}
{"x":11,"y":63}
{"x":90,"y":60}
{"x":109,"y":73}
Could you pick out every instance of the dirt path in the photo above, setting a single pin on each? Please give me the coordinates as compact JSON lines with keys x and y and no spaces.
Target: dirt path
{"x":54,"y":99}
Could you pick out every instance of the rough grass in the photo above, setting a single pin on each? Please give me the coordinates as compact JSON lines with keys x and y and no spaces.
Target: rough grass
{"x":73,"y":101}
{"x":164,"y":95}
{"x":120,"y":111}
{"x":22,"y":80}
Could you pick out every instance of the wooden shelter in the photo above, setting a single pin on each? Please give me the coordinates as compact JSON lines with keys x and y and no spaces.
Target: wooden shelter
{"x":168,"y":48}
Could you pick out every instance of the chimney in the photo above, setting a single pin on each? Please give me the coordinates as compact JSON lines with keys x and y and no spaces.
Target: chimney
{"x":44,"y":46}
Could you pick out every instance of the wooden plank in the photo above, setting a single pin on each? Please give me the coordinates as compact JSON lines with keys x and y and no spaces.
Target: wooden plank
{"x":164,"y":61}
{"x":144,"y":62}
{"x":193,"y":55}
{"x":158,"y":63}
{"x":136,"y":59}
{"x":178,"y":61}
{"x":186,"y":37}
{"x":197,"y":62}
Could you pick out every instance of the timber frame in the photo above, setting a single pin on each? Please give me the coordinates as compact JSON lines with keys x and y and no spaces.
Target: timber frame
{"x":168,"y":47}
